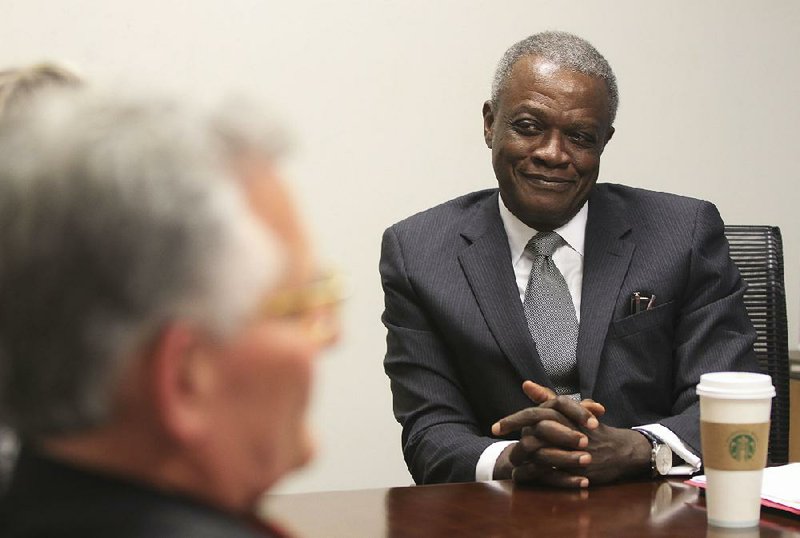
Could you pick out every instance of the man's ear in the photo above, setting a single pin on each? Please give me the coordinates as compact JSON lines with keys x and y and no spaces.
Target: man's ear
{"x":183,"y":376}
{"x":488,"y":123}
{"x":610,"y":133}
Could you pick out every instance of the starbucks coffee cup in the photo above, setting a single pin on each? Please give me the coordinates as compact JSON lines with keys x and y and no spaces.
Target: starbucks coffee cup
{"x":734,"y":428}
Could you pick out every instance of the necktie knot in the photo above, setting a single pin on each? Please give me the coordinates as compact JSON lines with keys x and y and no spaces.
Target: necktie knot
{"x":544,"y":243}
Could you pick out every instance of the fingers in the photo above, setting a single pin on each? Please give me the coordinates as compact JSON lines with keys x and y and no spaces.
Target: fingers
{"x":562,"y":459}
{"x":549,"y":437}
{"x":537,"y":393}
{"x":561,"y":444}
{"x":540,"y":394}
{"x":595,"y":408}
{"x":574,"y":411}
{"x":553,"y":433}
{"x":532,"y":416}
{"x":523,"y":451}
{"x":533,"y":473}
{"x":530,"y":449}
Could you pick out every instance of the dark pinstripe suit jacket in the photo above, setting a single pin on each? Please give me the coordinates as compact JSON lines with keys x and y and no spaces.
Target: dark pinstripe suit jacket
{"x":458,"y":347}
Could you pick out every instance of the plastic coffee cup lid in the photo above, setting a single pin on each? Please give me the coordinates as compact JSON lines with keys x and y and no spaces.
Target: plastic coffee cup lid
{"x":735,"y":385}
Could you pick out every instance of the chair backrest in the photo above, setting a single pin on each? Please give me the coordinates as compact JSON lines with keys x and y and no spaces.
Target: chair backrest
{"x":758,"y":253}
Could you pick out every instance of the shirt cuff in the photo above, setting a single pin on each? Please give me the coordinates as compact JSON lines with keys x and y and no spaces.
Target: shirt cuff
{"x":692,"y":463}
{"x":484,"y":470}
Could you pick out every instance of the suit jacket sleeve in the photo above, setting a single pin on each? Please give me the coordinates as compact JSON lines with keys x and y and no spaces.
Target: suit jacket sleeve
{"x":713,"y":331}
{"x":441,"y":438}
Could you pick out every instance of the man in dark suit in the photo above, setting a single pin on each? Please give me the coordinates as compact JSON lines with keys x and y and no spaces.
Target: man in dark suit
{"x":159,"y":323}
{"x":648,"y":299}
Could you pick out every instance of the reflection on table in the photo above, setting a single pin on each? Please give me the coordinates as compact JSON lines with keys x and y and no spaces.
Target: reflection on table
{"x":496,"y":509}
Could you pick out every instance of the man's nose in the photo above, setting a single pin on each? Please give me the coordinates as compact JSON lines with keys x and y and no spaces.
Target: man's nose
{"x":551,"y":151}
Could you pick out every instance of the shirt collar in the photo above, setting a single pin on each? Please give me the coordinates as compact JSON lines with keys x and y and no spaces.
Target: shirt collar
{"x":519,"y":233}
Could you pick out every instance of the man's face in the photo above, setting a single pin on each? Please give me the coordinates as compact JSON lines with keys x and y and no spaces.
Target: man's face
{"x":547,"y":132}
{"x":265,"y":387}
{"x":266,"y":377}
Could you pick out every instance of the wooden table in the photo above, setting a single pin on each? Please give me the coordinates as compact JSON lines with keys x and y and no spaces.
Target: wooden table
{"x":496,"y":509}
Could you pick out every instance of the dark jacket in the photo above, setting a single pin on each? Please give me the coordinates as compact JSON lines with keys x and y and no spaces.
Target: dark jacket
{"x":49,"y":499}
{"x":458,"y":346}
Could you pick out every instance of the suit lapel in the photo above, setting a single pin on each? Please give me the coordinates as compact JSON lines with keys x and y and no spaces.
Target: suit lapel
{"x":487,"y":266}
{"x":607,"y":255}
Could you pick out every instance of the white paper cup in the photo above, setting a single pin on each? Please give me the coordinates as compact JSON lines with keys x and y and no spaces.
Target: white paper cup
{"x":734,"y":427}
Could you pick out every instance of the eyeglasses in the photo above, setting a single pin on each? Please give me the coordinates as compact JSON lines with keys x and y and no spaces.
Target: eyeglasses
{"x":315,"y":304}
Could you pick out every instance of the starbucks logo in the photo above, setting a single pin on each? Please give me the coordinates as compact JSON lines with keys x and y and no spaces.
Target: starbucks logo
{"x":742,"y":446}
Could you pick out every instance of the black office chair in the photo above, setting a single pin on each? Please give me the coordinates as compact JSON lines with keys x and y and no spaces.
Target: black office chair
{"x":758,"y":253}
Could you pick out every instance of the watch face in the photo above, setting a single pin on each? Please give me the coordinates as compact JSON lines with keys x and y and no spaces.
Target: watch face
{"x":663,"y":459}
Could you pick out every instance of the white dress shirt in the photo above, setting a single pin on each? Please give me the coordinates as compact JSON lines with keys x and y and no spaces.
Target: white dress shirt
{"x":568,"y":258}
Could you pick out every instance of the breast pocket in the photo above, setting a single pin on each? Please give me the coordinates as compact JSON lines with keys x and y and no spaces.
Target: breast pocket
{"x":660,"y":316}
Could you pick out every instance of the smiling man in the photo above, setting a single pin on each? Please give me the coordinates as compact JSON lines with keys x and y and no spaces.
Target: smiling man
{"x":553,"y":330}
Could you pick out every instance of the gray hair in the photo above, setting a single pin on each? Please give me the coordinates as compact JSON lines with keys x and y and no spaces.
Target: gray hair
{"x":19,"y":84}
{"x":565,"y":50}
{"x":116,"y":216}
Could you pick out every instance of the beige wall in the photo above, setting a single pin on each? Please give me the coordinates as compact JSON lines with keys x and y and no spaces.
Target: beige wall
{"x":384,"y":98}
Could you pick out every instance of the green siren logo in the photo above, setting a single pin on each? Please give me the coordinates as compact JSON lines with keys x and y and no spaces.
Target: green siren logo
{"x":742,"y":446}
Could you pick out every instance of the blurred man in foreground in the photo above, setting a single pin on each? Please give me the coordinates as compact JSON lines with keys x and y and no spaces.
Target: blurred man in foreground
{"x":18,"y":85}
{"x":160,"y":318}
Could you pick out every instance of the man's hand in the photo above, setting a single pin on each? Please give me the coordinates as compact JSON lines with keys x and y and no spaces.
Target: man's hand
{"x":543,"y":426}
{"x":563,"y":444}
{"x":550,"y":429}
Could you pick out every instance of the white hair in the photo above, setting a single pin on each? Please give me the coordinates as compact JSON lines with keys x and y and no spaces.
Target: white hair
{"x":19,"y":84}
{"x":117,"y":215}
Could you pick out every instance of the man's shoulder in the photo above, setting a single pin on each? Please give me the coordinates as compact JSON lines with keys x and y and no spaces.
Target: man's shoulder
{"x":643,"y":204}
{"x":447,"y":214}
{"x":637,"y":195}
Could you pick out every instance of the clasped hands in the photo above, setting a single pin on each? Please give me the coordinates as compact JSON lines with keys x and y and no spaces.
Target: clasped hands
{"x":563,"y":444}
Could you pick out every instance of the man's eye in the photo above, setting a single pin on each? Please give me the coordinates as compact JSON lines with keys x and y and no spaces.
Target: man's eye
{"x":527,"y":126}
{"x":583,"y":139}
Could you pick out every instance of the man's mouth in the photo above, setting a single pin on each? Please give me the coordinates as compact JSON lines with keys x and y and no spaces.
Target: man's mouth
{"x":551,"y":182}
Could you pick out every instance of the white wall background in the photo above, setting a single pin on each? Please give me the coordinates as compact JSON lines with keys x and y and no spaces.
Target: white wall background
{"x":384,"y":98}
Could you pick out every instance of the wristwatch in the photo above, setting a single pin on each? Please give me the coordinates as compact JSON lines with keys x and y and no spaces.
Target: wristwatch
{"x":660,"y":456}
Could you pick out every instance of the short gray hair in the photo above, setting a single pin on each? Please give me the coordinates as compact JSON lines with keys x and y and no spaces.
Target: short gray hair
{"x":17,"y":84}
{"x":117,"y":215}
{"x":564,"y":50}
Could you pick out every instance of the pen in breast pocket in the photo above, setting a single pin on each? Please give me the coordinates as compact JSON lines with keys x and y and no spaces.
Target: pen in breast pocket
{"x":640,"y":301}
